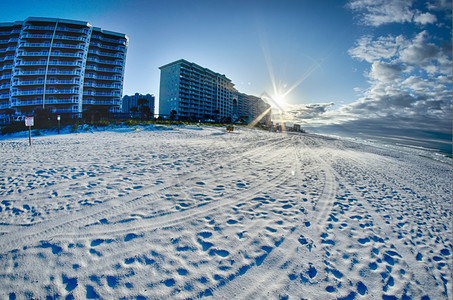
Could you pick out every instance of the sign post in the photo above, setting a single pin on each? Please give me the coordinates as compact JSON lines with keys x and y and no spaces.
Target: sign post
{"x":58,"y":118}
{"x":29,"y":121}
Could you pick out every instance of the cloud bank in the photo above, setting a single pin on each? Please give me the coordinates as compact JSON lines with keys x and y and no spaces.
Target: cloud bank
{"x":410,"y":77}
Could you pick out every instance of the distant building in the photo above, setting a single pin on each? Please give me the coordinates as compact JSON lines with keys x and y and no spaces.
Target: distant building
{"x":197,"y":93}
{"x":132,"y":101}
{"x":65,"y":66}
{"x":251,"y":108}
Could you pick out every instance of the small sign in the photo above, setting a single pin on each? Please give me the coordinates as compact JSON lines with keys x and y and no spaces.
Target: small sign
{"x":29,"y":121}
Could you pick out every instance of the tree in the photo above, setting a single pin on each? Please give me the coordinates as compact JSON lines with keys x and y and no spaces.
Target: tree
{"x":141,"y":102}
{"x":9,"y":112}
{"x":216,"y":114}
{"x":133,"y":110}
{"x":173,"y":114}
{"x":146,"y":112}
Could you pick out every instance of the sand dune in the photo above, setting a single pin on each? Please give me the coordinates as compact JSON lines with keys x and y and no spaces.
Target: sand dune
{"x":198,"y":212}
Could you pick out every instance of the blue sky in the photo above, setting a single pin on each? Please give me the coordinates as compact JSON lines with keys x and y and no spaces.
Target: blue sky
{"x":364,"y":67}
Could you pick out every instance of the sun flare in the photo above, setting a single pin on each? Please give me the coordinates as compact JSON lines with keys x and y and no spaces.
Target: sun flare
{"x":279,"y":100}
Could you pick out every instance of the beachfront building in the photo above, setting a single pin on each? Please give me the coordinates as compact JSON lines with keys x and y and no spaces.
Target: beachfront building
{"x":253,"y":109}
{"x":131,"y":104}
{"x":63,"y":66}
{"x":189,"y":91}
{"x":195,"y":93}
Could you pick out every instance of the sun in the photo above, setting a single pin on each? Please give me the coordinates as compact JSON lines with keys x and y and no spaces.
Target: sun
{"x":279,"y":101}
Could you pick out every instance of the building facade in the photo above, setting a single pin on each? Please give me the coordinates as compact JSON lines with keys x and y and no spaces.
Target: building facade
{"x":253,"y":109}
{"x":194,"y":92}
{"x":132,"y":101}
{"x":197,"y":93}
{"x":65,"y":66}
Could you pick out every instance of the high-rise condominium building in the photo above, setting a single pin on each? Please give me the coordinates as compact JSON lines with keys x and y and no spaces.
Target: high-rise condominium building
{"x":65,"y":66}
{"x":253,"y":109}
{"x":129,"y":102}
{"x":194,"y":92}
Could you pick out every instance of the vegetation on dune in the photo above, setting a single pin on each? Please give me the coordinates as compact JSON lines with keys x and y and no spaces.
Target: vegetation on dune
{"x":76,"y":125}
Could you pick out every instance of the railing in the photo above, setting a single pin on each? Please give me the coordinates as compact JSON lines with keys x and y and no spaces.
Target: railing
{"x":53,"y":63}
{"x":117,"y":78}
{"x":121,"y":41}
{"x":114,"y":70}
{"x":103,"y":61}
{"x":16,"y":102}
{"x":85,"y":31}
{"x":6,"y":67}
{"x":117,"y":48}
{"x":57,"y":36}
{"x":79,"y":55}
{"x":101,"y":102}
{"x":68,"y":46}
{"x":98,"y":85}
{"x":9,"y":49}
{"x":77,"y":72}
{"x":11,"y":40}
{"x":48,"y":92}
{"x":65,"y":110}
{"x":101,"y":94}
{"x":119,"y":55}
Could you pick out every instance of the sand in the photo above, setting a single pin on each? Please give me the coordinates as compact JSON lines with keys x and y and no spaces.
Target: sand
{"x":191,"y":212}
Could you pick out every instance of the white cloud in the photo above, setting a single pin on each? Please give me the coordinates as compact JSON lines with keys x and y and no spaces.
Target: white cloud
{"x":425,"y":18}
{"x":410,"y":87}
{"x":379,"y":12}
{"x":376,"y":50}
{"x":439,"y":5}
{"x":385,"y":72}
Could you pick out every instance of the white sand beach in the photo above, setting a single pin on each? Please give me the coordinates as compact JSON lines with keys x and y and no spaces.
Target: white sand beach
{"x":193,"y":212}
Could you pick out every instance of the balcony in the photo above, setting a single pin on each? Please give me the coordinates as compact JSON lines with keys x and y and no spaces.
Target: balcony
{"x":105,"y":39}
{"x":62,"y":101}
{"x":115,"y":48}
{"x":35,"y":45}
{"x":51,"y":63}
{"x":65,"y":63}
{"x":50,"y":36}
{"x":68,"y":46}
{"x":52,"y":28}
{"x":104,"y":61}
{"x":48,"y":92}
{"x":64,"y":110}
{"x":50,"y":72}
{"x":41,"y":82}
{"x":21,"y":54}
{"x":101,"y":102}
{"x":57,"y":54}
{"x":110,"y":70}
{"x":16,"y":102}
{"x":7,"y":57}
{"x":101,"y":94}
{"x":115,"y":78}
{"x":99,"y":85}
{"x":6,"y":67}
{"x":116,"y":55}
